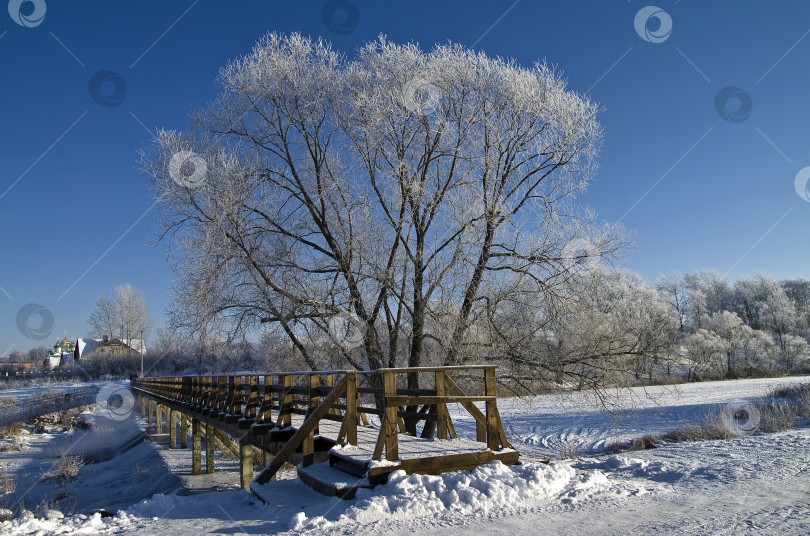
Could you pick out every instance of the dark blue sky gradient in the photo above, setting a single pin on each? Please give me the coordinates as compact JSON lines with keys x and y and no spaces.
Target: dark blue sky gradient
{"x":726,"y":197}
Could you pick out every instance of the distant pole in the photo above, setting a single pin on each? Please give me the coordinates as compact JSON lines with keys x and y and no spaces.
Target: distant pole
{"x":142,"y":345}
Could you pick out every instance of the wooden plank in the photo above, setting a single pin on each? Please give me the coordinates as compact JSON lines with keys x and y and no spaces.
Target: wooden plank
{"x":419,"y":400}
{"x":450,"y":462}
{"x":305,"y":429}
{"x":430,"y":369}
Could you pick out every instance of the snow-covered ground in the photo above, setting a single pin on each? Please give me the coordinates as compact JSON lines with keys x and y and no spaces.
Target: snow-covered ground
{"x":757,"y":484}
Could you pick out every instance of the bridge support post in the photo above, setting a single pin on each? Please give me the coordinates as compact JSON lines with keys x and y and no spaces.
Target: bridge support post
{"x":209,"y":449}
{"x":152,"y":405}
{"x":183,"y":431}
{"x":159,"y":419}
{"x":143,"y":406}
{"x":196,"y":448}
{"x":245,"y":465}
{"x":171,"y":421}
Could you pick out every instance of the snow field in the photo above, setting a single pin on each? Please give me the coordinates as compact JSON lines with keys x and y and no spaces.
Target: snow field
{"x":750,"y":484}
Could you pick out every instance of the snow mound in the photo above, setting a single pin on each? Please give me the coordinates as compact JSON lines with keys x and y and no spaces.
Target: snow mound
{"x":491,"y":487}
{"x":73,"y":525}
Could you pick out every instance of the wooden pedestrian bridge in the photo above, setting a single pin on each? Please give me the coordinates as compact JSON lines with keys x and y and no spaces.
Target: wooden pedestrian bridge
{"x":344,"y":430}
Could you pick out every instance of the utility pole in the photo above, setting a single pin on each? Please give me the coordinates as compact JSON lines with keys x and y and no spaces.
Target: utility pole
{"x":142,"y":348}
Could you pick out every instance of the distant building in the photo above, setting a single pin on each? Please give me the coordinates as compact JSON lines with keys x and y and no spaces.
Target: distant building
{"x":62,"y":355}
{"x":85,"y":348}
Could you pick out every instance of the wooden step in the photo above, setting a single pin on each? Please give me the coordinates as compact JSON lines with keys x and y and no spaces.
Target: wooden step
{"x":331,"y":481}
{"x":348,"y":465}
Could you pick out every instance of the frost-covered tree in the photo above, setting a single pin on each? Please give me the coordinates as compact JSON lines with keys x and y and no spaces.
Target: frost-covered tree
{"x":613,"y":329}
{"x":798,"y":290}
{"x":795,"y":352}
{"x":674,"y":290}
{"x":123,"y":315}
{"x":704,"y":353}
{"x":380,"y":190}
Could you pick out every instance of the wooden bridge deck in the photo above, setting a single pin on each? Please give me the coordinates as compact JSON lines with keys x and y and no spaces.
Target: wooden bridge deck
{"x":323,"y":425}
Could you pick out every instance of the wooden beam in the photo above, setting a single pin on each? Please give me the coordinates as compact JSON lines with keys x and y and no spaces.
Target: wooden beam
{"x":245,"y":465}
{"x":171,"y":421}
{"x":350,"y":417}
{"x":307,"y":427}
{"x":391,"y":419}
{"x":209,"y":448}
{"x":183,"y":431}
{"x":492,"y":411}
{"x":196,"y":448}
{"x":159,"y":418}
{"x":480,"y":418}
{"x":420,"y":400}
{"x":229,"y":443}
{"x":441,"y":407}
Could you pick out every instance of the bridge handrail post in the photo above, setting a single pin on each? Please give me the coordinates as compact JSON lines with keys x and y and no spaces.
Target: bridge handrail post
{"x":350,"y":416}
{"x":493,"y":442}
{"x":391,"y":440}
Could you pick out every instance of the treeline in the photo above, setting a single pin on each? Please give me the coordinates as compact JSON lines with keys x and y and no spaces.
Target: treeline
{"x":757,"y":326}
{"x":602,"y":327}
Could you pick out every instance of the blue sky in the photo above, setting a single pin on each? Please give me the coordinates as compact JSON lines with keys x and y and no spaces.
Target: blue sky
{"x":700,"y":181}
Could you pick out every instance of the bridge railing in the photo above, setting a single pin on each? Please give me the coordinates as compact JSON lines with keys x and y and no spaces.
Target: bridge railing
{"x":44,"y":402}
{"x":266,"y":402}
